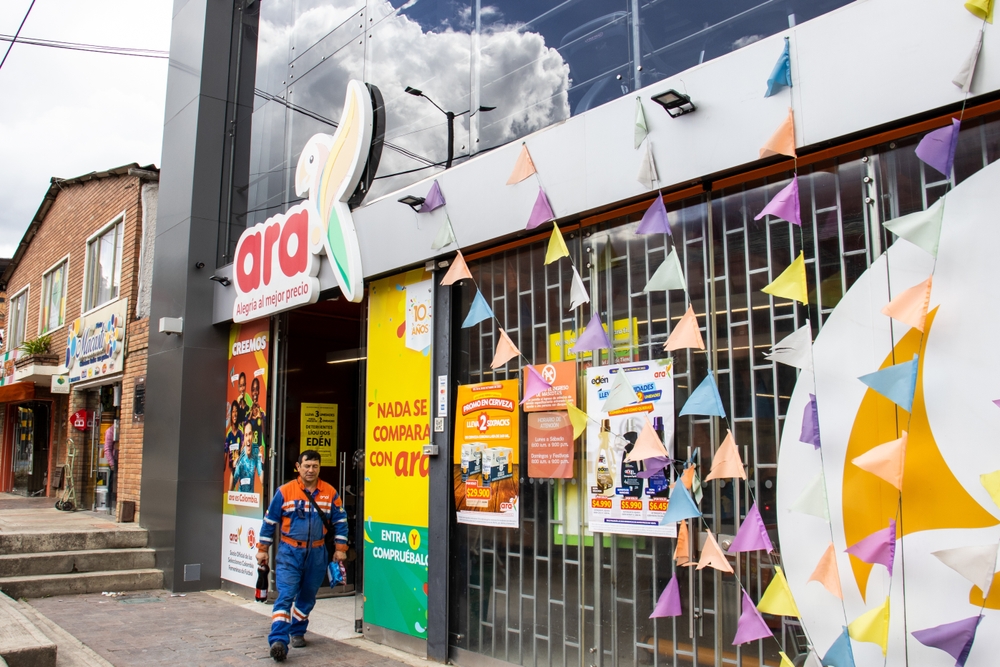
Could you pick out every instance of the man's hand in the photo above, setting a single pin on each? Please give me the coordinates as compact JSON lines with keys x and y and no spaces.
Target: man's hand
{"x":262,"y":558}
{"x":339,"y":555}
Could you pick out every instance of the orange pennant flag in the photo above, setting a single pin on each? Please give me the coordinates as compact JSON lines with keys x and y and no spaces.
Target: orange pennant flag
{"x":687,"y":477}
{"x":458,"y":270}
{"x":523,"y":168}
{"x":712,"y":556}
{"x":686,"y":333}
{"x":910,"y":307}
{"x":647,"y":445}
{"x":727,"y":461}
{"x":782,"y":142}
{"x":506,"y":350}
{"x":885,"y":461}
{"x":681,"y":556}
{"x":826,"y":572}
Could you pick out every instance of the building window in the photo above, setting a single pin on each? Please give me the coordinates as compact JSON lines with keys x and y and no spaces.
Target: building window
{"x":17,"y":315}
{"x":104,"y":263}
{"x":53,"y":298}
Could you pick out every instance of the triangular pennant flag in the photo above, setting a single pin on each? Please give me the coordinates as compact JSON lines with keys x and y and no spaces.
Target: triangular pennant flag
{"x":648,"y":445}
{"x":577,"y":291}
{"x":593,"y":338}
{"x":991,"y":482}
{"x":785,"y":661}
{"x":458,"y":270}
{"x":964,"y":77}
{"x":813,"y":500}
{"x":785,"y":204}
{"x":686,"y":333}
{"x":897,"y":383}
{"x":795,"y":349}
{"x":910,"y":306}
{"x":937,"y":148}
{"x":751,"y":625}
{"x":781,"y":75}
{"x":711,"y":554}
{"x":777,"y":599}
{"x":680,"y":506}
{"x":696,"y":485}
{"x":557,"y":246}
{"x":687,"y":477}
{"x":752,"y":535}
{"x":654,"y":220}
{"x":727,"y":463}
{"x":810,"y":423}
{"x":791,"y":284}
{"x":506,"y":350}
{"x":683,"y":549}
{"x":647,"y":168}
{"x":872,"y":626}
{"x":975,"y":563}
{"x":577,"y":417}
{"x":653,"y":466}
{"x":981,"y":9}
{"x":540,"y":212}
{"x":840,"y":653}
{"x":523,"y":168}
{"x":479,"y":311}
{"x":620,"y":395}
{"x":669,"y":603}
{"x":827,"y":574}
{"x":704,"y":400}
{"x":885,"y":461}
{"x":954,"y":638}
{"x":669,"y":275}
{"x":640,"y":123}
{"x":922,"y":229}
{"x":879,"y":547}
{"x":534,"y":383}
{"x":812,"y":660}
{"x":433,"y":200}
{"x":445,"y":235}
{"x":782,"y":142}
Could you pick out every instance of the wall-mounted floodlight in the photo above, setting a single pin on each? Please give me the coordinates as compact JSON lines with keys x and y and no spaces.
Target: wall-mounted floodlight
{"x":222,"y":280}
{"x":412,"y":201}
{"x":676,"y":104}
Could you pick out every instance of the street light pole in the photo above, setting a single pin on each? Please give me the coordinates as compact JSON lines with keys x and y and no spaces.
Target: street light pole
{"x":451,"y":138}
{"x":450,"y":115}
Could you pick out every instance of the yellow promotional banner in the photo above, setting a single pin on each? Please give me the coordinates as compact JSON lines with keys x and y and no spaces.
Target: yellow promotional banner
{"x":318,"y":430}
{"x":624,"y":338}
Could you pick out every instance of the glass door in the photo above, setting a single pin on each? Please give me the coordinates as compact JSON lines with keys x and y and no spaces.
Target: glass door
{"x":31,"y":449}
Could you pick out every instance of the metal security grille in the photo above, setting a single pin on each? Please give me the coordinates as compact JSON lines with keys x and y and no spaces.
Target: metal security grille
{"x":552,"y":594}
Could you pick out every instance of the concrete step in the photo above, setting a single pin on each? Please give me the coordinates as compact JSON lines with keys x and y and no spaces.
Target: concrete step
{"x":71,"y":651}
{"x":44,"y":542}
{"x":21,"y":643}
{"x":67,"y":562}
{"x":47,"y":585}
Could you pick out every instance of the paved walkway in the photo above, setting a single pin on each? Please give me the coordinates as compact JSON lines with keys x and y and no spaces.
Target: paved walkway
{"x":39,"y":515}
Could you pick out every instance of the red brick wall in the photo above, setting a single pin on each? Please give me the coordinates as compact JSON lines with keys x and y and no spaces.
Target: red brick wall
{"x":130,"y":437}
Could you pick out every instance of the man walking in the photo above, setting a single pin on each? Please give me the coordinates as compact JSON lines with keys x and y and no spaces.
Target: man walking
{"x":301,"y":555}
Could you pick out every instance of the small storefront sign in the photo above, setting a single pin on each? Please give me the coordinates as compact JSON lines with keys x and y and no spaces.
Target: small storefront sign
{"x":81,"y":420}
{"x":7,"y":367}
{"x":318,"y":431}
{"x":550,"y":445}
{"x":95,"y":343}
{"x":562,"y":376}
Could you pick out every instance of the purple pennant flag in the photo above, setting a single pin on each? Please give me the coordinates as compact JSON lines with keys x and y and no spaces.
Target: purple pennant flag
{"x":669,"y":603}
{"x":996,"y":402}
{"x":810,"y":423}
{"x":879,"y":547}
{"x":433,"y":200}
{"x":955,"y":639}
{"x":593,"y":338}
{"x":785,"y":204}
{"x":653,"y":466}
{"x":541,"y":212}
{"x":534,"y":384}
{"x":654,"y":220}
{"x":751,"y":625}
{"x":752,"y":535}
{"x":937,"y":148}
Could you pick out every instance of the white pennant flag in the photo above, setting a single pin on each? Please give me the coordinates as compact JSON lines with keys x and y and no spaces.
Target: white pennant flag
{"x":813,"y":500}
{"x":668,"y":276}
{"x":622,"y":393}
{"x":976,"y":563}
{"x":445,"y":235}
{"x":794,"y":349}
{"x":964,"y":77}
{"x":647,"y":168}
{"x":577,"y":291}
{"x":812,"y":660}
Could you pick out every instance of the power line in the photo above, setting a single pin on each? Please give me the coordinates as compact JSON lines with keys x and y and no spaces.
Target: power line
{"x":14,"y":39}
{"x":92,"y":48}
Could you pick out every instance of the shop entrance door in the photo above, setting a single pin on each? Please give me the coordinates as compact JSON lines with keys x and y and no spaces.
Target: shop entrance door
{"x":31,"y":448}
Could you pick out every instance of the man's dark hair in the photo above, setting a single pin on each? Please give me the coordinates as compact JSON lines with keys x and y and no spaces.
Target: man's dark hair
{"x":309,"y":455}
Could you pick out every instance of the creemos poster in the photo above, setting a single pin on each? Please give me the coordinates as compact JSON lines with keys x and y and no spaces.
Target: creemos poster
{"x":397,"y":425}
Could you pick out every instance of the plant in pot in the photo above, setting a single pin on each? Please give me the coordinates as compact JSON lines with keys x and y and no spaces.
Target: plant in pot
{"x":37,"y":351}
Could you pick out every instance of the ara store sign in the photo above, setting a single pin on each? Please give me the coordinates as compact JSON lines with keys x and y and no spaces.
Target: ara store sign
{"x":277,"y":262}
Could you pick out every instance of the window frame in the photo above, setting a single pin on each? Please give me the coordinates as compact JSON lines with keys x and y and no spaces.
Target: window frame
{"x":117,"y":265}
{"x":12,"y":322}
{"x":46,"y":296}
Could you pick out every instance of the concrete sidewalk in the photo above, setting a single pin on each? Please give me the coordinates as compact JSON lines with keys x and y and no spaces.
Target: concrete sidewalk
{"x":39,"y":515}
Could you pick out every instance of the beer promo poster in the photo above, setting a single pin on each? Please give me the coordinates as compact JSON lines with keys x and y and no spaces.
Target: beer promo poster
{"x":487,"y":439}
{"x":618,"y":501}
{"x":318,"y":430}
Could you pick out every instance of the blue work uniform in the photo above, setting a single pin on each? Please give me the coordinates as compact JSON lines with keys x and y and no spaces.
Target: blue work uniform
{"x":243,"y":473}
{"x":301,"y":554}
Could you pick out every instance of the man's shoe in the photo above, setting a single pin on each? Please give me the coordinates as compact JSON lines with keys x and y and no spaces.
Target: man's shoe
{"x":279,"y":651}
{"x":298,"y":642}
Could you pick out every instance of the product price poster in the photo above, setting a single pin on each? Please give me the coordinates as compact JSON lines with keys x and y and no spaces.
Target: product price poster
{"x":397,"y":426}
{"x":486,"y":470}
{"x":318,"y":429}
{"x":618,"y":501}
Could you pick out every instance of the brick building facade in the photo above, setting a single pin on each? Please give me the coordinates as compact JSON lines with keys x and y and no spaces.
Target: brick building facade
{"x":77,"y":276}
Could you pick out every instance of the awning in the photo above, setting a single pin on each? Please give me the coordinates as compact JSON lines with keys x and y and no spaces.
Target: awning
{"x":18,"y":391}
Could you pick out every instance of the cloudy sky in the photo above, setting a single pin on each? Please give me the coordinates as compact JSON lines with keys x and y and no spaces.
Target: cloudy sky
{"x":66,"y":113}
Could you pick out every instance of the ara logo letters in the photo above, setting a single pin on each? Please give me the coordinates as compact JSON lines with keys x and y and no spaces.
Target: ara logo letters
{"x":277,"y":261}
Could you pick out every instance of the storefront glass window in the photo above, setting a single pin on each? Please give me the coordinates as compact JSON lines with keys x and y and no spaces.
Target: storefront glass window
{"x":53,"y":298}
{"x":104,"y":257}
{"x":16,"y":319}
